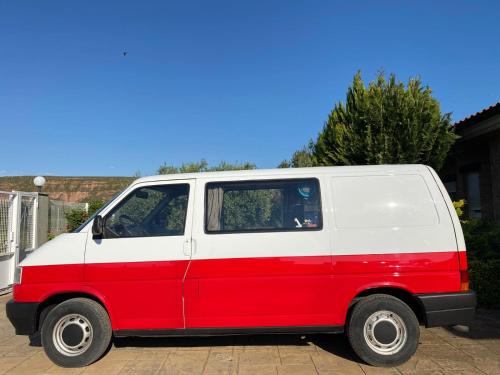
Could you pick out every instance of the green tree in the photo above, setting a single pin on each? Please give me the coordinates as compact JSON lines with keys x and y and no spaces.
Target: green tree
{"x":301,"y":158}
{"x":167,"y":169}
{"x":225,"y":166}
{"x":202,"y":166}
{"x":385,"y":122}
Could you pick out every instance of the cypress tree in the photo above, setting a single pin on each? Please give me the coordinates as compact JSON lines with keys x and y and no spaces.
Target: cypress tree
{"x":385,"y":122}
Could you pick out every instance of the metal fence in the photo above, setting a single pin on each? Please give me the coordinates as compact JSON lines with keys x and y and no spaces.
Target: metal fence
{"x":27,"y":222}
{"x":18,"y":231}
{"x":20,"y":224}
{"x":57,"y":215}
{"x":5,"y":221}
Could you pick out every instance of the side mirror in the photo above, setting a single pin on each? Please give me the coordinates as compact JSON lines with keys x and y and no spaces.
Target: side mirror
{"x":98,"y":227}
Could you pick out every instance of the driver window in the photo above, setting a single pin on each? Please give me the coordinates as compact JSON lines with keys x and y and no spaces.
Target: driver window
{"x":148,"y":212}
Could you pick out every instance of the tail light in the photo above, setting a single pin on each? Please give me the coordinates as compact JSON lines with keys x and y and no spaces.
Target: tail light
{"x":464,"y":274}
{"x":18,"y":274}
{"x":464,"y":281}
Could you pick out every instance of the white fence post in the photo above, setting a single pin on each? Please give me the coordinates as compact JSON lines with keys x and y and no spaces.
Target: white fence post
{"x":35,"y":222}
{"x":18,"y":232}
{"x":15,"y":238}
{"x":7,"y":251}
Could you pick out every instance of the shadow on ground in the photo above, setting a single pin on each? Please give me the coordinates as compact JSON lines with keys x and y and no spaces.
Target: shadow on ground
{"x":486,"y":325}
{"x":336,"y":344}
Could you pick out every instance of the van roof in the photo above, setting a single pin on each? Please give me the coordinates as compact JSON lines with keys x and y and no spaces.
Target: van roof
{"x":278,"y":172}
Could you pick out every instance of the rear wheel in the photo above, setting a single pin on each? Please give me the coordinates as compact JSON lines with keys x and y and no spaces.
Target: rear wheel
{"x":383,"y":330}
{"x":76,"y":332}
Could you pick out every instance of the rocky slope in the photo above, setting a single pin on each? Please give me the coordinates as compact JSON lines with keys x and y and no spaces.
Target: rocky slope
{"x":70,"y":189}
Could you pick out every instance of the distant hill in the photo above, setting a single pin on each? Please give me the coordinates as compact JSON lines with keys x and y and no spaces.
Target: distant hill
{"x":70,"y":189}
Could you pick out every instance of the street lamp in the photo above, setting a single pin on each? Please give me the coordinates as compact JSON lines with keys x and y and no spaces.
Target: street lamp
{"x":39,"y":181}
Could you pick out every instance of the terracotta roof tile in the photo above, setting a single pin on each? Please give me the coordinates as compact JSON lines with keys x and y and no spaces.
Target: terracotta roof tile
{"x":478,"y":116}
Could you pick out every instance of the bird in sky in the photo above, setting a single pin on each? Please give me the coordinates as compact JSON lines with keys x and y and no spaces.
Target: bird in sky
{"x":125,"y":53}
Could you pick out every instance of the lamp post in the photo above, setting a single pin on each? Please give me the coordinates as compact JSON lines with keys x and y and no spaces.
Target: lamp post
{"x":39,"y":181}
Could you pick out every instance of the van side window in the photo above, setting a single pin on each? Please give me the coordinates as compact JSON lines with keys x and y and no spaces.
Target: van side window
{"x":253,"y":206}
{"x":149,"y":211}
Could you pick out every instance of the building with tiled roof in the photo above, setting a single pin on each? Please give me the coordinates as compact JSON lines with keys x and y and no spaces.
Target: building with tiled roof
{"x":472,"y":170}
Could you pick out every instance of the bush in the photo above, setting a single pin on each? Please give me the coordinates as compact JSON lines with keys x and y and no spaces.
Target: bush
{"x":95,"y":205}
{"x":459,"y":207}
{"x":75,"y":217}
{"x":482,"y":239}
{"x":484,"y":279}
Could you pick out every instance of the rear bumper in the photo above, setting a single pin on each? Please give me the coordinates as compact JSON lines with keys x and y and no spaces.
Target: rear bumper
{"x":448,"y":308}
{"x":22,"y":315}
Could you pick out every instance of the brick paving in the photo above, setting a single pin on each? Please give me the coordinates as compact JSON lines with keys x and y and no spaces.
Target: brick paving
{"x":441,"y":351}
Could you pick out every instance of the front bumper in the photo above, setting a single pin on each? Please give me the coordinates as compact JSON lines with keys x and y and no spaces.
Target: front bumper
{"x":448,"y":309}
{"x":22,"y":315}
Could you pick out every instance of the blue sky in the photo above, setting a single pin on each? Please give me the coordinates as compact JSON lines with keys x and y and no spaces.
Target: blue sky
{"x":220,"y":80}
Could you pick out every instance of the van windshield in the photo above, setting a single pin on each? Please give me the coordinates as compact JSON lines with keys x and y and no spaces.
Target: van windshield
{"x":77,"y":230}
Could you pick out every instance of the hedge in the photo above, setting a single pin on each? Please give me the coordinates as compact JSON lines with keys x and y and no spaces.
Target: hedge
{"x":485,"y":280}
{"x":482,"y":239}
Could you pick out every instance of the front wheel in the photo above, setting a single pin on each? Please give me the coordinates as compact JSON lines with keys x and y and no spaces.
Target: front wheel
{"x":383,"y":330}
{"x":76,"y":332}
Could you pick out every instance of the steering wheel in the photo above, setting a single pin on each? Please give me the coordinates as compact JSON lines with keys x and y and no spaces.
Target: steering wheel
{"x":124,"y":217}
{"x":132,"y":223}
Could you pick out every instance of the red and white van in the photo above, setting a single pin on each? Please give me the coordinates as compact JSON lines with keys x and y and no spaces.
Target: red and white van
{"x":371,"y":250}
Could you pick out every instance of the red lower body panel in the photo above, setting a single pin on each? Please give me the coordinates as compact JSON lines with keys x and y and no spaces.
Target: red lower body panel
{"x":143,"y":295}
{"x":301,"y":291}
{"x":137,"y":295}
{"x":244,"y":292}
{"x":259,"y":292}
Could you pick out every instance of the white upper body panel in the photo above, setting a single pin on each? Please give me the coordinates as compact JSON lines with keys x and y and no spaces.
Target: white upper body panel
{"x":459,"y":236}
{"x":398,"y":212}
{"x":144,"y":249}
{"x":287,"y":172}
{"x":67,"y":248}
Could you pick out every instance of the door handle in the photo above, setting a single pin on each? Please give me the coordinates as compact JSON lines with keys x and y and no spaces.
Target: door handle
{"x":186,"y":247}
{"x":193,"y":246}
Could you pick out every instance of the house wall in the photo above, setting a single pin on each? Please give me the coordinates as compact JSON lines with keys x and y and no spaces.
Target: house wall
{"x":477,"y":149}
{"x":495,"y":174}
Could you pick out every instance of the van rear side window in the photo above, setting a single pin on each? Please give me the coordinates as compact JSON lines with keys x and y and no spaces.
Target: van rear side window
{"x":261,"y":206}
{"x":382,"y":202}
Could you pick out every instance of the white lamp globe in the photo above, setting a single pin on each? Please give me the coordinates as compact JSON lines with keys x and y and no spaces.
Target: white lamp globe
{"x":39,"y":181}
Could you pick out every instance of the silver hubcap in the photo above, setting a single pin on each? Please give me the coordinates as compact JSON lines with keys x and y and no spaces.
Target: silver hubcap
{"x":72,"y":335}
{"x":391,"y":335}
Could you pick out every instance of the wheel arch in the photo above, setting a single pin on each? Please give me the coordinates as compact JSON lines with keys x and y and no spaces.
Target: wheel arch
{"x":400,"y":293}
{"x":54,"y":299}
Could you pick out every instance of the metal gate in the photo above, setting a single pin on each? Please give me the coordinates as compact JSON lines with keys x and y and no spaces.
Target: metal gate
{"x":18,"y":232}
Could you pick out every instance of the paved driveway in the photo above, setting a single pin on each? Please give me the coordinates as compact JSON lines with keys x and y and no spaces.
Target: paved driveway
{"x":441,"y":351}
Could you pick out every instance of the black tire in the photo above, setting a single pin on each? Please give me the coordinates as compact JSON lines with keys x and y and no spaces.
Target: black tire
{"x":387,"y":327}
{"x":36,"y":338}
{"x":82,"y":322}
